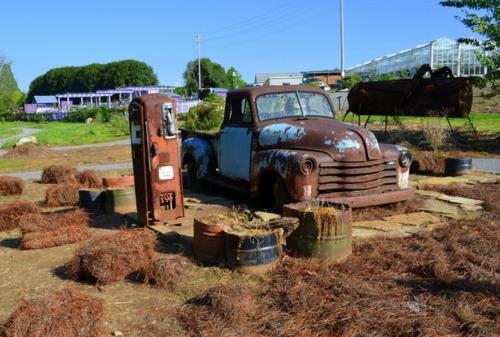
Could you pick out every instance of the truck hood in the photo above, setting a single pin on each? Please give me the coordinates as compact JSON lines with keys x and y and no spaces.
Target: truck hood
{"x":342,"y":141}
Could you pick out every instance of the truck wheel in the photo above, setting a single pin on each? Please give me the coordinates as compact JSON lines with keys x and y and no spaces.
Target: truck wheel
{"x":281,"y":196}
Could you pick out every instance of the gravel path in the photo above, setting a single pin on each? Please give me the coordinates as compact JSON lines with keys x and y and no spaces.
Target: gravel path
{"x":36,"y":175}
{"x":486,"y":165}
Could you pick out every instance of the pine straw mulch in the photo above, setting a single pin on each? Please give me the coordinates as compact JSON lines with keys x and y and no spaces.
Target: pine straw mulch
{"x":436,"y":283}
{"x":164,"y":272}
{"x":57,"y":229}
{"x":11,"y":185}
{"x":11,"y":213}
{"x":62,"y":313}
{"x":380,"y":212}
{"x":64,"y":174}
{"x":30,"y":150}
{"x":427,"y":163}
{"x":62,"y":195}
{"x":112,"y":258}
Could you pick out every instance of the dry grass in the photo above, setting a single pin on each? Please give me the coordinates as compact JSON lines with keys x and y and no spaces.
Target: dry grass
{"x":89,"y":179}
{"x":59,"y":174}
{"x":11,"y":185}
{"x":62,"y":313}
{"x":164,"y":271}
{"x":113,"y":257}
{"x":11,"y":213}
{"x":31,"y":151}
{"x":62,"y":195}
{"x":50,"y":230}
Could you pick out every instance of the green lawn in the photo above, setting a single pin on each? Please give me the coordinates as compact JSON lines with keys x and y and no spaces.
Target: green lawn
{"x":63,"y":134}
{"x":488,"y":122}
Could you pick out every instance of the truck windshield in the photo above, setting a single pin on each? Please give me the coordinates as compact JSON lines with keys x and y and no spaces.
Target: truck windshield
{"x":293,"y":104}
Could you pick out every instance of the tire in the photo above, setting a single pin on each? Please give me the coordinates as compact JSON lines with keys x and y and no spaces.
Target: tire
{"x":280,"y":194}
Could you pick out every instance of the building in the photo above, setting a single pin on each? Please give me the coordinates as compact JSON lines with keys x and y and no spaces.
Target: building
{"x":459,"y":57}
{"x":278,"y":78}
{"x":331,"y":77}
{"x":41,"y":104}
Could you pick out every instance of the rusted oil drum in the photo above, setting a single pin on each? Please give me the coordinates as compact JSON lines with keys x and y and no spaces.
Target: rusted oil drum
{"x":91,"y":200}
{"x":253,"y":254}
{"x":457,"y":166}
{"x":118,"y":181}
{"x":208,"y":239}
{"x":120,"y":200}
{"x":320,"y":234}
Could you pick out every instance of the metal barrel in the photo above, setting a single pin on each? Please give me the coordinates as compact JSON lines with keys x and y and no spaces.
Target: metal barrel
{"x":320,"y":235}
{"x":208,"y":239}
{"x":118,"y":181}
{"x":255,"y":254}
{"x":120,"y":200}
{"x":91,"y":200}
{"x":208,"y":242}
{"x":457,"y":166}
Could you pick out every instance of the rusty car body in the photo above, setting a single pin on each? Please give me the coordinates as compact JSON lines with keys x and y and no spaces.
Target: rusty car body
{"x":440,"y":94}
{"x":284,"y":144}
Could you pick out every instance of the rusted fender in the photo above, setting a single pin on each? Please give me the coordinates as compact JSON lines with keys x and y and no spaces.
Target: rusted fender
{"x":201,"y":152}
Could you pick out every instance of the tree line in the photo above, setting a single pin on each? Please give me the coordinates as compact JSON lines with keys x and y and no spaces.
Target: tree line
{"x":92,"y":77}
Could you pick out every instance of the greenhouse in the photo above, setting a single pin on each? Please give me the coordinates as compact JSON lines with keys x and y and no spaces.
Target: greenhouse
{"x":459,"y":57}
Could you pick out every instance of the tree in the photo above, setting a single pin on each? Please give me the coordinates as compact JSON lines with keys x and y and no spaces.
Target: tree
{"x":234,"y":78}
{"x":482,"y":17}
{"x":213,"y":75}
{"x":349,"y":81}
{"x":92,"y":77}
{"x":10,"y":95}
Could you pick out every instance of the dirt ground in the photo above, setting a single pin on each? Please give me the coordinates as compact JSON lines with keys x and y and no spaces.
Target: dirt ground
{"x":132,"y":308}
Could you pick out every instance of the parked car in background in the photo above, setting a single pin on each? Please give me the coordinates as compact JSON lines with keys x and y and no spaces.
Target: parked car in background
{"x":318,"y":83}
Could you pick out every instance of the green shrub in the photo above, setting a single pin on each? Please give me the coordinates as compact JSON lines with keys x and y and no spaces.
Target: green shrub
{"x":120,"y":123}
{"x":101,"y":114}
{"x":205,"y":116}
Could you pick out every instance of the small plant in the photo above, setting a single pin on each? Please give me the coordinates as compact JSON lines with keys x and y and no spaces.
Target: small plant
{"x":436,"y":133}
{"x":120,"y":123}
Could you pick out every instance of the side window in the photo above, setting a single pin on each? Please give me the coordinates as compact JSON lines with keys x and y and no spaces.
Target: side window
{"x":246,"y":112}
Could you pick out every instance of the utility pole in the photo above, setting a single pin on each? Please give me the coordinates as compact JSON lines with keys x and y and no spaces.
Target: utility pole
{"x":198,"y":39}
{"x":342,"y":72}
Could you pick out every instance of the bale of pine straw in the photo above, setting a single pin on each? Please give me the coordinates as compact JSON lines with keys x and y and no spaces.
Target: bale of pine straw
{"x":66,"y":312}
{"x":50,"y":230}
{"x":52,"y":221}
{"x":427,"y":163}
{"x":164,"y":271}
{"x":89,"y":179}
{"x":59,"y":174}
{"x":11,"y":213}
{"x":62,"y":195}
{"x":11,"y":185}
{"x":113,"y":257}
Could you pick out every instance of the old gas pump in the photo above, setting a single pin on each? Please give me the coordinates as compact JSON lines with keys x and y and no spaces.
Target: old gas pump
{"x":155,"y":157}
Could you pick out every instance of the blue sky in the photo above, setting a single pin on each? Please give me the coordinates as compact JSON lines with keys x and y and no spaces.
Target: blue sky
{"x":253,"y":36}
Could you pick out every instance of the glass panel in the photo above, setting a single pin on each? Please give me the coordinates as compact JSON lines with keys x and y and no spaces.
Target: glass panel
{"x":287,"y":104}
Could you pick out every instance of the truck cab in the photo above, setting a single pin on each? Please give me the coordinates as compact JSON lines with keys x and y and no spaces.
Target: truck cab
{"x":283,"y":144}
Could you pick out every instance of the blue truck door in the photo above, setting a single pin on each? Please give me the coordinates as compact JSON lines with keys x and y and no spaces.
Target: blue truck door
{"x":235,"y":143}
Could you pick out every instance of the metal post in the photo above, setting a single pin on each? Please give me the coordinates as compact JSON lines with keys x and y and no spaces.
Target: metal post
{"x":342,"y":72}
{"x":198,"y":41}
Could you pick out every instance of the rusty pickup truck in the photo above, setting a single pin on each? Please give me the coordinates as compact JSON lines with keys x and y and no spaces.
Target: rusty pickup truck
{"x":283,"y":144}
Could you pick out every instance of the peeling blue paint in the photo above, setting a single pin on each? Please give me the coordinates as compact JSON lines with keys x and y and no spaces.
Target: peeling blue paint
{"x":346,"y":144}
{"x":280,"y":133}
{"x":278,"y":160}
{"x":201,"y":152}
{"x":401,"y":148}
{"x":328,"y":142}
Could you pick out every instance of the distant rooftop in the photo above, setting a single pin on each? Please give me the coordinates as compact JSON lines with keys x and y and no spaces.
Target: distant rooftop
{"x":45,"y":99}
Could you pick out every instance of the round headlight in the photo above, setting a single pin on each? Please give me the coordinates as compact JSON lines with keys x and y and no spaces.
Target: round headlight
{"x":405,"y":159}
{"x":307,"y":165}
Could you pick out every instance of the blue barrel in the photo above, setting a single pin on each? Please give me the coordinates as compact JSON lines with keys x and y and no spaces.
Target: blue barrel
{"x":253,"y":254}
